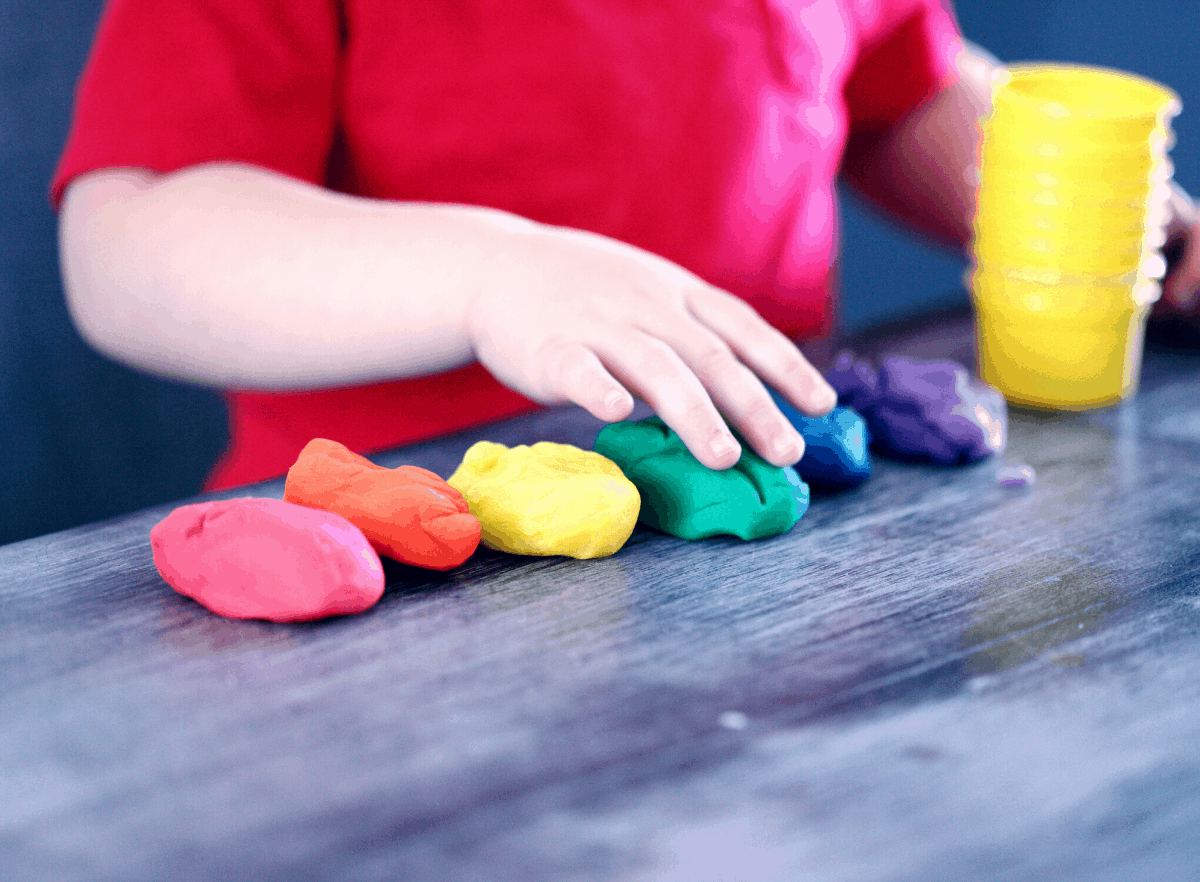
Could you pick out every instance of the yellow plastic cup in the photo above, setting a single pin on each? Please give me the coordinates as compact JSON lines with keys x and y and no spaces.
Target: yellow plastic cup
{"x":1009,"y":210}
{"x":1130,"y":189}
{"x":1100,"y":234}
{"x":1092,"y":259}
{"x":1104,"y":231}
{"x":1115,"y":170}
{"x":1120,"y":209}
{"x":1041,"y":289}
{"x":1080,"y":105}
{"x":1074,"y":179}
{"x":998,"y":217}
{"x":1130,"y":168}
{"x":1072,"y":202}
{"x":1013,"y":202}
{"x":1075,"y":345}
{"x":1026,"y":143}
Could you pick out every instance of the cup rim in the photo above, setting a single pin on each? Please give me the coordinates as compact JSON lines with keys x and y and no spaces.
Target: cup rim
{"x":1012,"y":81}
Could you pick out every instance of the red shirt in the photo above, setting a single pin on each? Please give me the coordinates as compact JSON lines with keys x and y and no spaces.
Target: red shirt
{"x":706,"y":131}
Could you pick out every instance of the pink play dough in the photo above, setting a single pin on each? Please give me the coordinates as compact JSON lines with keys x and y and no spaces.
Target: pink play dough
{"x":267,"y":559}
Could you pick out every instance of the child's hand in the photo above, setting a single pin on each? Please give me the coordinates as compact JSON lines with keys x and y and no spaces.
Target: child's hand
{"x":241,"y":278}
{"x":1182,"y":287}
{"x":572,"y":316}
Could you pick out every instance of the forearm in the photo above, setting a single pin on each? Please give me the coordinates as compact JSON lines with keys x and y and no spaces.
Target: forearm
{"x":241,"y":278}
{"x":925,"y":169}
{"x":238,"y":277}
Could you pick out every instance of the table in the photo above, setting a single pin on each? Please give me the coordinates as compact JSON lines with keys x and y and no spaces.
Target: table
{"x":931,"y":677}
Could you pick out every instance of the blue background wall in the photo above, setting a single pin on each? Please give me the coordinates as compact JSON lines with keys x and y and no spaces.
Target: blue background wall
{"x":84,"y":439}
{"x":81,"y":438}
{"x":889,"y":275}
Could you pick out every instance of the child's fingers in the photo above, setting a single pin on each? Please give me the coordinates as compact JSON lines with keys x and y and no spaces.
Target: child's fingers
{"x":657,"y":374}
{"x":736,"y":391}
{"x":577,"y":374}
{"x":1180,"y":286}
{"x":765,"y":350}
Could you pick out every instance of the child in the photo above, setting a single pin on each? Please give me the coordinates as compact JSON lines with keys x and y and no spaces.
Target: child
{"x":380,"y":222}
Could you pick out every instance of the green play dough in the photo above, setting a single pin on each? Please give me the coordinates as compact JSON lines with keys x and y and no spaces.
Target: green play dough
{"x":752,"y":500}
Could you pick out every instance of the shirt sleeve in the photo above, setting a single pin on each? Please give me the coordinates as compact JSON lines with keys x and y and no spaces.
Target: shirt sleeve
{"x":908,"y":52}
{"x":174,"y":83}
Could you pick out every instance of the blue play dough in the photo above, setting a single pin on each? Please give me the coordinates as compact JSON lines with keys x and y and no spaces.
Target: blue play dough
{"x":799,"y":489}
{"x":835,"y":452}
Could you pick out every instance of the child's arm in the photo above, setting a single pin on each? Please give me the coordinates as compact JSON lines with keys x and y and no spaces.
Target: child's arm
{"x":239,"y":277}
{"x":925,"y":169}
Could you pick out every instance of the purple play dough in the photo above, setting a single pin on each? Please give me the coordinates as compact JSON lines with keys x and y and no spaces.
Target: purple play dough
{"x":1016,"y":476}
{"x":855,"y":381}
{"x":920,"y":410}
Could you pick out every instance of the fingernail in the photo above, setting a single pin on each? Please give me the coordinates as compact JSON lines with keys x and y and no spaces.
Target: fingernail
{"x":1177,"y":298}
{"x":828,"y":398}
{"x":786,"y":446}
{"x":613,"y":400}
{"x":723,"y":445}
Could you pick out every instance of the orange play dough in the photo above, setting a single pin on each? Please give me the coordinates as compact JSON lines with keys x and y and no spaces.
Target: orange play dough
{"x":407,"y":513}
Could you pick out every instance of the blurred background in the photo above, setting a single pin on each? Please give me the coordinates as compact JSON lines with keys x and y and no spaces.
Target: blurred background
{"x":85,"y":439}
{"x":888,"y":275}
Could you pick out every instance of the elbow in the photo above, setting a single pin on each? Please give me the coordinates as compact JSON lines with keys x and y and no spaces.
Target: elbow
{"x":90,"y":310}
{"x":93,"y":228}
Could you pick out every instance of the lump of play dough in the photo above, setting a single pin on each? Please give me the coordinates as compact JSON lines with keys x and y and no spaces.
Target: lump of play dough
{"x":856,"y":382}
{"x":407,"y":513}
{"x":267,"y":559}
{"x":752,"y":500}
{"x":1016,"y":476}
{"x":918,"y":410}
{"x":835,"y":446}
{"x":547,"y":499}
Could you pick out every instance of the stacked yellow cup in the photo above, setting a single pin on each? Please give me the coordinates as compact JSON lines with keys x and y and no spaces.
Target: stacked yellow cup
{"x":1072,"y":211}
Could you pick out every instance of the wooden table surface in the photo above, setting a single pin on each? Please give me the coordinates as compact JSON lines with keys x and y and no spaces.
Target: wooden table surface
{"x":931,"y":677}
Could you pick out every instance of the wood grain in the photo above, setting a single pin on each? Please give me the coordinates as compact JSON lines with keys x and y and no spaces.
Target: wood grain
{"x":938,"y":679}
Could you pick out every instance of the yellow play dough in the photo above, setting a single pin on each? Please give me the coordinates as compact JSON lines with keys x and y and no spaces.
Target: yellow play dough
{"x":547,"y":499}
